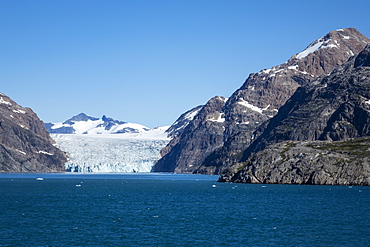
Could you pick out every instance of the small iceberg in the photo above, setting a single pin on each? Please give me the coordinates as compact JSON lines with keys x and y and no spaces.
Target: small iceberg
{"x":39,"y":179}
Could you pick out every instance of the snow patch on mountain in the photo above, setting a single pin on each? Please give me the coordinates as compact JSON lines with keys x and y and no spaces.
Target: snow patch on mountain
{"x":219,"y":119}
{"x":252,"y":107}
{"x":2,"y":101}
{"x":179,"y":125}
{"x":318,"y":44}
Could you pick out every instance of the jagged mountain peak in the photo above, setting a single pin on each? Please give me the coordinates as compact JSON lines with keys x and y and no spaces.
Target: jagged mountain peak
{"x":80,"y":117}
{"x":339,"y":39}
{"x":22,"y":116}
{"x":25,"y":145}
{"x":331,"y":98}
{"x":85,"y":124}
{"x":213,"y":144}
{"x":178,"y":126}
{"x":320,"y":136}
{"x":270,"y":88}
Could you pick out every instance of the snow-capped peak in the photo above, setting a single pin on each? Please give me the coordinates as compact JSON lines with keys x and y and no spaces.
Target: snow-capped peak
{"x":84,"y":124}
{"x":316,"y":45}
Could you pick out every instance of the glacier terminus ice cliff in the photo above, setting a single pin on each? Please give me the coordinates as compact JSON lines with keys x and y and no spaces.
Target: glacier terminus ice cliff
{"x":107,"y":145}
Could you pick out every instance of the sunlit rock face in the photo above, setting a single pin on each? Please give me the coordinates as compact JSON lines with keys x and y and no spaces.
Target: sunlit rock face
{"x":25,"y":145}
{"x":320,"y":135}
{"x":216,"y":138}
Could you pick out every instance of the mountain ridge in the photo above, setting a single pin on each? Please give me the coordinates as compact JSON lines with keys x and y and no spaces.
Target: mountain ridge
{"x":84,"y":124}
{"x":234,"y":122}
{"x":320,"y":136}
{"x":25,"y":145}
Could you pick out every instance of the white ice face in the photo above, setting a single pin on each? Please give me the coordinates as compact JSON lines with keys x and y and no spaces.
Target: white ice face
{"x":110,"y":153}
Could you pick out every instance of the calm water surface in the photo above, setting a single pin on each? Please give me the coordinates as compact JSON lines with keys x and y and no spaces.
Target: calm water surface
{"x":177,"y":210}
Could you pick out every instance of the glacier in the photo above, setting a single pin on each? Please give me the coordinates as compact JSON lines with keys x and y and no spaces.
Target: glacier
{"x":106,"y":145}
{"x":111,"y":153}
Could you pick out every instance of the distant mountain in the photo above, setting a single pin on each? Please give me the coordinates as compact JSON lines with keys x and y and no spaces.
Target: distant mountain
{"x":84,"y":124}
{"x":25,"y":145}
{"x":320,"y":136}
{"x":224,"y":128}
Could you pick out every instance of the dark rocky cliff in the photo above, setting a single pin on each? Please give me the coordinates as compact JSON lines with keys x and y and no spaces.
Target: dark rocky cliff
{"x":25,"y":145}
{"x":201,"y":135}
{"x":234,"y":123}
{"x":316,"y":162}
{"x":334,"y":109}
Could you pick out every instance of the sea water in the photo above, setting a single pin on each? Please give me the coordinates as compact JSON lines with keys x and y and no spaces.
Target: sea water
{"x":177,"y":210}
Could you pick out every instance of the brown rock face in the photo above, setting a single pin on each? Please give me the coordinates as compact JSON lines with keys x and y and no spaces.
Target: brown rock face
{"x":256,"y":101}
{"x":200,"y":136}
{"x":334,"y":109}
{"x":25,"y":145}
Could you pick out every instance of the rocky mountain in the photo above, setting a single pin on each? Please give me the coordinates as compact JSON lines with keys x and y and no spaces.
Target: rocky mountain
{"x":335,"y":109}
{"x":225,"y":127}
{"x":179,"y":125}
{"x":84,"y":124}
{"x":175,"y":130}
{"x":306,"y":162}
{"x":198,"y":138}
{"x":25,"y":145}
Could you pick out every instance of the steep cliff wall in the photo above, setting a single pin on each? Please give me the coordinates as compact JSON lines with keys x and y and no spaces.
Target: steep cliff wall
{"x":25,"y":145}
{"x":216,"y":141}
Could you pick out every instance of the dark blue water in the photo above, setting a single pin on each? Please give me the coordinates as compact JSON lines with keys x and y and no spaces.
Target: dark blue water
{"x":177,"y":210}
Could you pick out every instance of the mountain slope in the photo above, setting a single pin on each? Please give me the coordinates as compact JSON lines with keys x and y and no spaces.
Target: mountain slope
{"x":201,"y":135}
{"x":215,"y":138}
{"x":25,"y":145}
{"x":334,"y":109}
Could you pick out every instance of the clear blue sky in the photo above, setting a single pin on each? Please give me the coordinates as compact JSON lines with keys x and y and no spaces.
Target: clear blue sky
{"x":149,"y":61}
